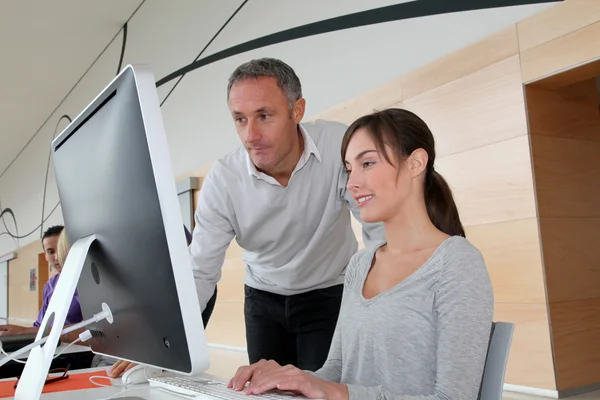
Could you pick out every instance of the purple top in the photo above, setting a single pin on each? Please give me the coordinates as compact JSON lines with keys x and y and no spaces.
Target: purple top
{"x":73,"y":316}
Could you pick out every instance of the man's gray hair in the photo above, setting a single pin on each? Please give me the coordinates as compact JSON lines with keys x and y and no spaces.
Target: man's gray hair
{"x":286,"y":78}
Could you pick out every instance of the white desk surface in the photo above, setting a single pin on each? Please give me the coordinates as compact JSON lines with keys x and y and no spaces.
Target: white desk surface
{"x":143,"y":391}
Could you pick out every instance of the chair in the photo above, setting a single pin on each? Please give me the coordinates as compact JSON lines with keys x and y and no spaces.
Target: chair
{"x":492,"y":382}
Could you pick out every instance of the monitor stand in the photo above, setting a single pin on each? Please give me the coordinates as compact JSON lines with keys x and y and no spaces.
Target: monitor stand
{"x":36,"y":370}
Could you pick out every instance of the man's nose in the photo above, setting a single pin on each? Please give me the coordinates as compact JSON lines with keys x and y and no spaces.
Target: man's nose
{"x":252,"y":132}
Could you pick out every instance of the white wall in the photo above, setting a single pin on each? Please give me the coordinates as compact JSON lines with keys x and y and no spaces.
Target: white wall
{"x":333,"y":67}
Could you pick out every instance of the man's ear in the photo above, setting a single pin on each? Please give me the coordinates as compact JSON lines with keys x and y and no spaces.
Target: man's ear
{"x":298,"y":110}
{"x":418,"y":162}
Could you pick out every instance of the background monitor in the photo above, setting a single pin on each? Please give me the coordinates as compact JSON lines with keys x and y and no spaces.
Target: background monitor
{"x":115,"y":181}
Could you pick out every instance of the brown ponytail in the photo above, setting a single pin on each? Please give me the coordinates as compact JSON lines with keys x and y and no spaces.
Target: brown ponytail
{"x":440,"y":204}
{"x":405,"y":132}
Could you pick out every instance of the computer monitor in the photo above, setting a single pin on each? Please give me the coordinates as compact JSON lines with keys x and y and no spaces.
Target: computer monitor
{"x":116,"y":186}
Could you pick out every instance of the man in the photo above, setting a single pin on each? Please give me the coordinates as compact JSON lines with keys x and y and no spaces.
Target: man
{"x":50,"y":245}
{"x":282,"y":196}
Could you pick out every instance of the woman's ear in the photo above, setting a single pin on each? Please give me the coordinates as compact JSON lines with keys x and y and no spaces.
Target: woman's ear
{"x":418,"y":162}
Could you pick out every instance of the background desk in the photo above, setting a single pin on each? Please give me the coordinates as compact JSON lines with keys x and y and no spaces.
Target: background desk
{"x":77,"y":357}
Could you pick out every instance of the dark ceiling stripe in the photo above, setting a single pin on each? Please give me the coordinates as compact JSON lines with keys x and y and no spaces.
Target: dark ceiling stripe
{"x":413,"y":9}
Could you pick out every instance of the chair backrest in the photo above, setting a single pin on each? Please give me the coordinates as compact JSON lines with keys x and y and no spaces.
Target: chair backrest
{"x":492,"y":382}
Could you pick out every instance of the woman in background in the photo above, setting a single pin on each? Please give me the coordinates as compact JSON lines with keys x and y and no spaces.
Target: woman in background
{"x":417,"y":309}
{"x":62,"y":250}
{"x":50,"y":244}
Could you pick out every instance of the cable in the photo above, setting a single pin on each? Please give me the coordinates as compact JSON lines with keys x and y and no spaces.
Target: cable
{"x":65,"y":116}
{"x":16,"y":236}
{"x":122,"y":48}
{"x":204,"y":49}
{"x":2,"y":212}
{"x":9,"y":211}
{"x":71,"y":344}
{"x":92,"y":380}
{"x":41,"y":225}
{"x":104,"y":314}
{"x":120,"y":380}
{"x":8,"y":355}
{"x":55,"y":356}
{"x":67,"y":95}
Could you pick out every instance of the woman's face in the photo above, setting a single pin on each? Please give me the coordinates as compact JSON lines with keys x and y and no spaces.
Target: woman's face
{"x":379,"y":188}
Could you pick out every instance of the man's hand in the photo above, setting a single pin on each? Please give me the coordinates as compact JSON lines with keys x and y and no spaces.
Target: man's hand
{"x":120,"y":367}
{"x":9,"y":329}
{"x":292,"y":379}
{"x":246,"y":374}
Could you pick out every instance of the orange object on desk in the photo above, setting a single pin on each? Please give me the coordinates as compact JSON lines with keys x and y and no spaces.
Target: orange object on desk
{"x":75,"y":381}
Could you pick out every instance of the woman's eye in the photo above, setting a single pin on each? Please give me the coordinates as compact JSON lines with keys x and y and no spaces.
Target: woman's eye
{"x":368,"y":163}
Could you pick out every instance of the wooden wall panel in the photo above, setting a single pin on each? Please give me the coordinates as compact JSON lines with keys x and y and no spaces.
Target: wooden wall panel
{"x":234,"y":250}
{"x":492,"y":183}
{"x":357,"y":228}
{"x":584,"y":72}
{"x":23,"y":303}
{"x":231,"y":286}
{"x":566,"y":174}
{"x":569,"y":112}
{"x":517,"y":274}
{"x":565,"y":142}
{"x":43,"y":274}
{"x":484,"y":107}
{"x":530,"y":360}
{"x":576,"y":335}
{"x":491,"y":50}
{"x":557,"y":21}
{"x":571,"y":257}
{"x":564,"y":122}
{"x":482,"y":54}
{"x":374,"y":100}
{"x":565,"y":52}
{"x":227,"y":325}
{"x":225,"y":363}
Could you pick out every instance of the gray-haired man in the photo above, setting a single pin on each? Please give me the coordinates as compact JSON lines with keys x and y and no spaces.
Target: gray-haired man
{"x":282,"y":196}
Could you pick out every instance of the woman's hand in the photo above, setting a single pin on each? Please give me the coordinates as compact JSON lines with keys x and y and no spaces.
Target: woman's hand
{"x":246,"y":374}
{"x":120,"y":367}
{"x":290,"y":378}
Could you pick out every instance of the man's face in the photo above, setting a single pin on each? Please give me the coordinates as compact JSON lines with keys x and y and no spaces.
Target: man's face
{"x":264,"y":122}
{"x":50,"y":245}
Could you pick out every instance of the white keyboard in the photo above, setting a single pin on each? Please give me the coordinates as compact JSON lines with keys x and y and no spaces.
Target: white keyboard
{"x":206,"y":389}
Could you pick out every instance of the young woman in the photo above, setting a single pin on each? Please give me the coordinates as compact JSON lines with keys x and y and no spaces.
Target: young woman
{"x":417,"y":310}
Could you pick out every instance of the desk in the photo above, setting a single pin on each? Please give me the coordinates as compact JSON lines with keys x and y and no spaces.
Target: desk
{"x":224,"y":363}
{"x":76,"y":357}
{"x":143,"y":391}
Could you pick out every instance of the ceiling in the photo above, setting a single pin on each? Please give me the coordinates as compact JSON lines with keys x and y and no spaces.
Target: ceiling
{"x":46,"y":47}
